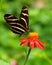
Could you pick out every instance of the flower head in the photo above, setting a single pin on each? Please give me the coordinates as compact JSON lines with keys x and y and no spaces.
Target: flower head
{"x":13,"y":62}
{"x":32,"y":41}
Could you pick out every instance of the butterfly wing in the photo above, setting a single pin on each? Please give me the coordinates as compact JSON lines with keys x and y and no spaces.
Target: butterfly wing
{"x":14,"y":24}
{"x":18,"y":26}
{"x":24,"y":17}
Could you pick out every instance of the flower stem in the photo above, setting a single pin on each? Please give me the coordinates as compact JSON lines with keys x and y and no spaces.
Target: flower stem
{"x":27,"y":56}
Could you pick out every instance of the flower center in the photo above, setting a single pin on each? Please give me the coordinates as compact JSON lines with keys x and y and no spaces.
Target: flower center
{"x":33,"y":34}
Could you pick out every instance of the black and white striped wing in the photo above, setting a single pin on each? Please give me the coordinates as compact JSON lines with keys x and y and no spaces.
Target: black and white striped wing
{"x":14,"y":24}
{"x":18,"y":26}
{"x":24,"y":17}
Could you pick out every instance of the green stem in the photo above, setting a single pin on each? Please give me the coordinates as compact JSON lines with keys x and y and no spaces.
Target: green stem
{"x":27,"y":56}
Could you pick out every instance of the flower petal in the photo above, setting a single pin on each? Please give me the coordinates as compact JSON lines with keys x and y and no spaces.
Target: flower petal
{"x":23,"y":41}
{"x":39,"y":44}
{"x":31,"y":44}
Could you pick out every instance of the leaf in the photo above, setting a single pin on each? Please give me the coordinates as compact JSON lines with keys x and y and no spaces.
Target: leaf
{"x":3,"y":62}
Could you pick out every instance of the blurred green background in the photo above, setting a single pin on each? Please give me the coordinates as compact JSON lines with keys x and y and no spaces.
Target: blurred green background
{"x":40,"y":20}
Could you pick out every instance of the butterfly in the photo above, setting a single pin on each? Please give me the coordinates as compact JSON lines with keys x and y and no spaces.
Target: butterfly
{"x":18,"y":26}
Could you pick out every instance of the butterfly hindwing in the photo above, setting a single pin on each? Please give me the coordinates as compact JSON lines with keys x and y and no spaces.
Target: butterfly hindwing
{"x":18,"y":26}
{"x":14,"y":24}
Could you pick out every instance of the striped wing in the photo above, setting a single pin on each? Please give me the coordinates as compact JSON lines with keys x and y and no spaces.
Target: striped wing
{"x":24,"y":17}
{"x":14,"y":24}
{"x":18,"y":26}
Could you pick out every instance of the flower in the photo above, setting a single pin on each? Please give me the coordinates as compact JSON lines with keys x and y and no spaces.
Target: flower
{"x":39,"y":4}
{"x":13,"y":62}
{"x":32,"y":41}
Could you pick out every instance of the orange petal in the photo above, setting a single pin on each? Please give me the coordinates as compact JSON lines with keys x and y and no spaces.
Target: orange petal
{"x":23,"y":41}
{"x":39,"y":44}
{"x":31,"y":44}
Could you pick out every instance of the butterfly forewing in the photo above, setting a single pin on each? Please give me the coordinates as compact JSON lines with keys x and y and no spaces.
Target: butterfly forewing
{"x":24,"y":17}
{"x":18,"y":26}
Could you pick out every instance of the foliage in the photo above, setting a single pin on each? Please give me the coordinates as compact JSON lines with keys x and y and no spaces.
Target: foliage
{"x":40,"y":21}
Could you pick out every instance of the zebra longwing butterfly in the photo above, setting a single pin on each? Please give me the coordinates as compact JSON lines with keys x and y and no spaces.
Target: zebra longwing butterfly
{"x":18,"y":26}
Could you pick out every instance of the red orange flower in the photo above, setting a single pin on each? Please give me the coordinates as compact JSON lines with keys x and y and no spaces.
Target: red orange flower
{"x":32,"y":41}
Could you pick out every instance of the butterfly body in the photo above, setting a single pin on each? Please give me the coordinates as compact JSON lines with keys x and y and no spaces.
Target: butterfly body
{"x":18,"y":26}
